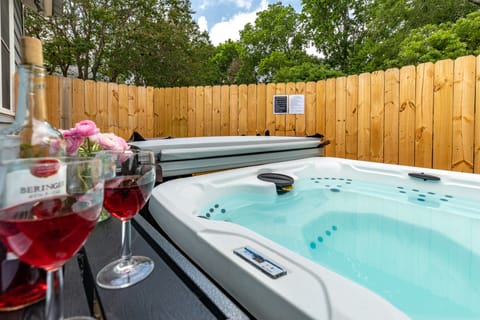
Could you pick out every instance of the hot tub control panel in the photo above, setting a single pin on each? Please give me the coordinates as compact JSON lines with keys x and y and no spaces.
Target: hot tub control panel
{"x":270,"y":268}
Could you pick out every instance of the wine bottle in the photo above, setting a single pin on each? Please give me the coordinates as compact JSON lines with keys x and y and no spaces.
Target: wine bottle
{"x":37,"y":137}
{"x":30,"y":135}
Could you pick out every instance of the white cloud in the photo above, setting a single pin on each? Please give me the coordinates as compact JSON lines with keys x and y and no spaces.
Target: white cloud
{"x":203,"y":23}
{"x":204,"y":4}
{"x":230,"y":29}
{"x":247,"y":4}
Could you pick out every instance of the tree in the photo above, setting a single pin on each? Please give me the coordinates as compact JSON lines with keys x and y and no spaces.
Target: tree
{"x":336,"y":28}
{"x":468,"y":31}
{"x":145,"y":42}
{"x":306,"y":71}
{"x":227,"y":61}
{"x":443,"y":41}
{"x":389,"y":22}
{"x":273,"y":41}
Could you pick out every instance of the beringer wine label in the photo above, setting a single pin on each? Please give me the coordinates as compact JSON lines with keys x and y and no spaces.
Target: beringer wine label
{"x":41,"y":182}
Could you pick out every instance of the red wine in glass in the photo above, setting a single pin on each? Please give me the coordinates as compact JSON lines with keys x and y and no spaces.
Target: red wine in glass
{"x":124,"y":196}
{"x":130,"y":177}
{"x":49,"y":232}
{"x":48,"y":207}
{"x":20,"y":284}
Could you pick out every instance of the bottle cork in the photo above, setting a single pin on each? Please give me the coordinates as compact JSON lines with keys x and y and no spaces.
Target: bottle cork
{"x":31,"y":51}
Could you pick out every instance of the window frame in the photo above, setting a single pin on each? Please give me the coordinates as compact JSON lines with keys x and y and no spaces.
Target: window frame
{"x":11,"y":48}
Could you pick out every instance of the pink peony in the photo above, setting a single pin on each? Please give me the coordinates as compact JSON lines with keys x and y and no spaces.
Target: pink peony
{"x":110,"y":141}
{"x":85,"y":139}
{"x":86,"y":128}
{"x":73,"y":143}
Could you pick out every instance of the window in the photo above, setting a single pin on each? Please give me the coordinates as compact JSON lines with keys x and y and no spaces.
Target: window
{"x":7,"y":55}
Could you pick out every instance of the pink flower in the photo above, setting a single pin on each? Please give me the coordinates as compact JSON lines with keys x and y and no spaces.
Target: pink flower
{"x":73,"y":143}
{"x":110,"y":141}
{"x":86,"y":128}
{"x":85,"y":139}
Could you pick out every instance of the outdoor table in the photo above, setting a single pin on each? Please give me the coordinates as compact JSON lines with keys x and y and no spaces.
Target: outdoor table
{"x":176,"y":289}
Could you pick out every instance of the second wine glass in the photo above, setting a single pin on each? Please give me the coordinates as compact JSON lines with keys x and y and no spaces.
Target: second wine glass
{"x":129,"y":180}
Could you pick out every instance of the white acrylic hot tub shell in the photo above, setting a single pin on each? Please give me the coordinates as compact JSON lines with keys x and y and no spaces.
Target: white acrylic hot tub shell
{"x":301,"y":294}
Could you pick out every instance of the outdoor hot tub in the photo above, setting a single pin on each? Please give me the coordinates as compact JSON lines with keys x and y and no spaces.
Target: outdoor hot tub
{"x":328,"y":238}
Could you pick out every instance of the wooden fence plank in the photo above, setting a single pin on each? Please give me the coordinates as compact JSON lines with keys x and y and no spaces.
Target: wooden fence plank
{"x":142,"y":113}
{"x":463,"y":114}
{"x":364,"y":116}
{"x":149,"y":113}
{"x":233,"y":110}
{"x":351,"y":120}
{"x":261,"y":108}
{"x":442,"y":114}
{"x":112,"y":108}
{"x":78,"y":103}
{"x":159,"y":113}
{"x":168,"y":112}
{"x":280,"y":89}
{"x":208,"y":109}
{"x":66,"y":101}
{"x":377,"y":116}
{"x":424,"y":115}
{"x":392,"y":100}
{"x":299,"y":127}
{"x":91,"y":100}
{"x":330,"y":117}
{"x":242,"y":109}
{"x":251,"y":109}
{"x":225,"y":111}
{"x":320,"y":112}
{"x":216,"y":117}
{"x":270,"y":116}
{"x":406,"y":134}
{"x":123,"y":111}
{"x":191,"y":119}
{"x":183,"y":112}
{"x":175,"y":109}
{"x":53,"y":106}
{"x":310,"y":108}
{"x":133,"y":111}
{"x":290,"y":118}
{"x":199,"y":110}
{"x":340,"y":116}
{"x":102,"y":106}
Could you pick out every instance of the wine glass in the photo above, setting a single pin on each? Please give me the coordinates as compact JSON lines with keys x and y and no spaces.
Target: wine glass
{"x":130,"y":176}
{"x":48,"y":207}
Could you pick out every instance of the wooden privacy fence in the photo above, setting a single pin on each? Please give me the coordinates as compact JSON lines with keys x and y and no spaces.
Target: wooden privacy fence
{"x":422,"y":116}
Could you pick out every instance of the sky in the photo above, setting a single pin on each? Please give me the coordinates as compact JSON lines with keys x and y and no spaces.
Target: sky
{"x":223,"y":19}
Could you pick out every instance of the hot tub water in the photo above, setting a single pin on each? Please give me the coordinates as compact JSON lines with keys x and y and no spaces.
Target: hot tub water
{"x":413,"y":246}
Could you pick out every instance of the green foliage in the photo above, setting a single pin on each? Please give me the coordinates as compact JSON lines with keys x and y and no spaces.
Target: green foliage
{"x":273,"y":42}
{"x":145,"y":42}
{"x":227,"y":61}
{"x":157,"y":43}
{"x":468,"y":32}
{"x":306,"y":71}
{"x":430,"y":43}
{"x":336,"y":28}
{"x":389,"y":23}
{"x":443,"y":41}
